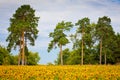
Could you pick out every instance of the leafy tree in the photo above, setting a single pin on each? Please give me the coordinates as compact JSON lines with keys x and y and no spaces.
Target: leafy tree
{"x":50,"y":64}
{"x":74,"y":57}
{"x":69,"y":57}
{"x":59,"y":37}
{"x":108,"y":44}
{"x":14,"y":59}
{"x":93,"y":33}
{"x":117,"y":48}
{"x":66,"y":54}
{"x":23,"y":26}
{"x":102,"y":31}
{"x":83,"y":24}
{"x":89,"y":41}
{"x":33,"y":58}
{"x":4,"y":56}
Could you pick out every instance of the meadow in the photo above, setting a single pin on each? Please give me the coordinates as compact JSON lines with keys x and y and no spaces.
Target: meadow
{"x":67,"y":72}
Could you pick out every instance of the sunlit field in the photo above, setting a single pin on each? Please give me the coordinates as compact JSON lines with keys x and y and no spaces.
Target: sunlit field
{"x":86,"y":72}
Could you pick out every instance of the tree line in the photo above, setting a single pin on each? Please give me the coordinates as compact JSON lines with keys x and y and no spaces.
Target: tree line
{"x":93,"y":43}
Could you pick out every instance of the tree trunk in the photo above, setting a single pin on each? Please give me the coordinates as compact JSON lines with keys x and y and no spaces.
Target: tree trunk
{"x":100,"y":51}
{"x":105,"y":59}
{"x":61,"y":56}
{"x":23,"y":51}
{"x":82,"y":52}
{"x":19,"y":56}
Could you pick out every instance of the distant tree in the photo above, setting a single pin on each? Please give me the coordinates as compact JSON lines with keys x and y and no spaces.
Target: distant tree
{"x":89,"y":41}
{"x":117,"y":48}
{"x":59,"y":37}
{"x":74,"y":57}
{"x":66,"y":54}
{"x":83,"y":24}
{"x":4,"y":56}
{"x":33,"y":58}
{"x":14,"y":59}
{"x":108,"y":44}
{"x":102,"y":31}
{"x":50,"y":64}
{"x":23,"y":26}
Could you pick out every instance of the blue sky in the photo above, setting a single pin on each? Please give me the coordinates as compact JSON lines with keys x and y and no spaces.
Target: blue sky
{"x":53,"y":11}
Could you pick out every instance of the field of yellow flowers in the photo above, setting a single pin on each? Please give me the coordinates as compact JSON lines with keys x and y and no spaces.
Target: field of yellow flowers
{"x":75,"y":72}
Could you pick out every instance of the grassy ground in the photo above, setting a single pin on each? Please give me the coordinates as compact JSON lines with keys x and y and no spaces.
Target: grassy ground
{"x":75,"y":72}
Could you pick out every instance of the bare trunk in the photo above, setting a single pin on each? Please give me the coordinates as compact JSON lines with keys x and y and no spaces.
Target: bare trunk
{"x":82,"y":52}
{"x":23,"y":46}
{"x":105,"y":59}
{"x":61,"y":56}
{"x":25,"y":51}
{"x":19,"y":56}
{"x":100,"y":51}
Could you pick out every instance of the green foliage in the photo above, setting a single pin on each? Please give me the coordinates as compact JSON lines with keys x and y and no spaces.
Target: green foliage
{"x":92,"y":34}
{"x":4,"y":56}
{"x":59,"y":37}
{"x":105,"y":34}
{"x":14,"y":60}
{"x":74,"y":57}
{"x":116,"y":48}
{"x":69,"y":57}
{"x":6,"y":61}
{"x":83,"y":24}
{"x":23,"y":28}
{"x":103,"y":27}
{"x":26,"y":51}
{"x":66,"y":54}
{"x":23,"y":20}
{"x":33,"y":58}
{"x":84,"y":30}
{"x":88,"y":34}
{"x":50,"y":64}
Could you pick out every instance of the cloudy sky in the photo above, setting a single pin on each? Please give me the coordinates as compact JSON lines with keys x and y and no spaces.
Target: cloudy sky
{"x":53,"y":11}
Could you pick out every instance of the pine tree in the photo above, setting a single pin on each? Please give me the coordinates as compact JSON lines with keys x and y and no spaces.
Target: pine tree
{"x":59,"y":37}
{"x":23,"y":25}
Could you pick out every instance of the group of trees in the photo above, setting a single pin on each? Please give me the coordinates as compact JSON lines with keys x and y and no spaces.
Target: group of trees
{"x":9,"y":59}
{"x":93,"y":43}
{"x":22,"y":30}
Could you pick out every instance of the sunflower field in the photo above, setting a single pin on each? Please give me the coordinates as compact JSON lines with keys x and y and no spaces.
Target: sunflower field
{"x":67,"y":72}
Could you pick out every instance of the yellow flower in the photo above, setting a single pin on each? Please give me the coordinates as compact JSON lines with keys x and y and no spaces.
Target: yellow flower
{"x":87,"y":72}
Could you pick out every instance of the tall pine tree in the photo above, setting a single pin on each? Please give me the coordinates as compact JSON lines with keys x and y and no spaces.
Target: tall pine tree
{"x":23,"y":25}
{"x":103,"y":30}
{"x":59,"y":37}
{"x":83,"y":24}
